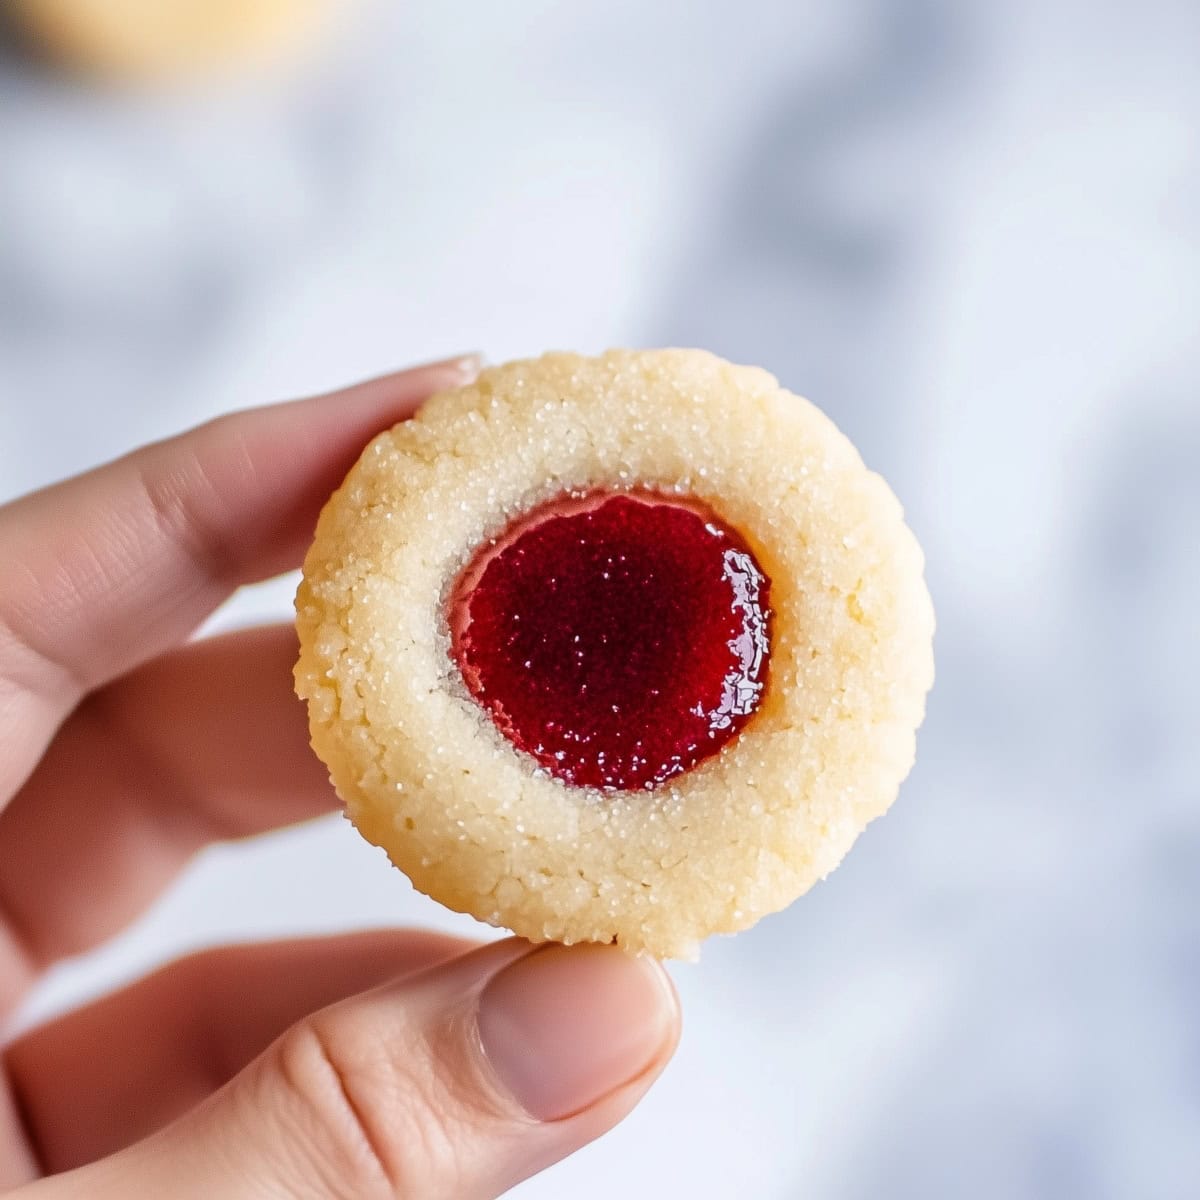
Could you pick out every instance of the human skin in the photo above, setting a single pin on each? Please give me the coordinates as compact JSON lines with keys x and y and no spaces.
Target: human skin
{"x":382,"y":1064}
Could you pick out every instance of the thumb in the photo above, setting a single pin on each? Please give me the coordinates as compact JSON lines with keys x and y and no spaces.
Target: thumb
{"x":460,"y":1082}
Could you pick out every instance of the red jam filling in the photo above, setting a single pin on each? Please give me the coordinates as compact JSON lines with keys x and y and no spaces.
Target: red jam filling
{"x":618,"y":639}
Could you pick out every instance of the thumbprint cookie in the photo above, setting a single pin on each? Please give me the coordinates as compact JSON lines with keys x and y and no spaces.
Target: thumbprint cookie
{"x":618,"y":649}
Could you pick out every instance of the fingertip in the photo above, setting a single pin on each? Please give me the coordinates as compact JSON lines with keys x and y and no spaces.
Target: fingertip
{"x":465,"y":366}
{"x":409,"y":386}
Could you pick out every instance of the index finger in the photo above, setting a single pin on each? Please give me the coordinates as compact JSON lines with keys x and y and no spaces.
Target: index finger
{"x":110,"y":568}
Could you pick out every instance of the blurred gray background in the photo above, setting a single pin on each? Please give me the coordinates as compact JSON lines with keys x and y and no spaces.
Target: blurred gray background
{"x":971,"y":232}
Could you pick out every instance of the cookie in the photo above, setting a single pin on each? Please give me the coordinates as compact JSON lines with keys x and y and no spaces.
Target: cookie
{"x":620,"y":649}
{"x":148,"y":38}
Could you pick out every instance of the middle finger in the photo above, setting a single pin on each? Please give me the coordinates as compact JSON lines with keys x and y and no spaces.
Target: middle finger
{"x":205,"y":743}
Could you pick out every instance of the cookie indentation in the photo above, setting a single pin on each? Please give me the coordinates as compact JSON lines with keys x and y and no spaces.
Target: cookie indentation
{"x":617,"y":639}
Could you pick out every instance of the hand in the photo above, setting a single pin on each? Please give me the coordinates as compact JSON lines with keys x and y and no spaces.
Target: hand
{"x":387,"y":1064}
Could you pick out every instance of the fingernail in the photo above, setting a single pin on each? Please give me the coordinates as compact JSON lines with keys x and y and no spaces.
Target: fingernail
{"x":466,"y":366}
{"x":565,"y":1026}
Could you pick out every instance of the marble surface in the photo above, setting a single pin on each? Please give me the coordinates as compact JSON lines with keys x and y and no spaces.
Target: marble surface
{"x":972,"y":233}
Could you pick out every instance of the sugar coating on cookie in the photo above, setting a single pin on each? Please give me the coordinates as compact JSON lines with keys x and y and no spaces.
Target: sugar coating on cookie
{"x":427,"y":772}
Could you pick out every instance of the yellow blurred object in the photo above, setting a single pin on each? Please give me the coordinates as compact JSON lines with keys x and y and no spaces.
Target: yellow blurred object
{"x":150,"y":39}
